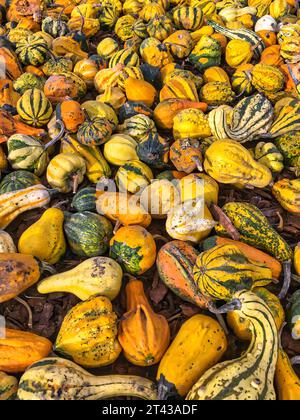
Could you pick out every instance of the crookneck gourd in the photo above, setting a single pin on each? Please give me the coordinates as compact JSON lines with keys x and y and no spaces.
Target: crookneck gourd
{"x":251,"y":376}
{"x":140,"y":319}
{"x":88,"y":333}
{"x":286,"y":379}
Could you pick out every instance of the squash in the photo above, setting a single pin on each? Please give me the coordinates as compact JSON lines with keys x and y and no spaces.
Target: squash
{"x":271,"y":56}
{"x":134,"y":248}
{"x":34,"y":108}
{"x":269,"y":37}
{"x":187,"y":75}
{"x":124,"y":27}
{"x":98,"y":275}
{"x":206,"y":53}
{"x":122,"y":208}
{"x":293,"y":315}
{"x":139,"y":90}
{"x":54,"y":27}
{"x":289,"y":145}
{"x":59,"y":87}
{"x":216,"y":74}
{"x":279,"y":8}
{"x":71,"y":114}
{"x":120,"y":149}
{"x":160,"y":27}
{"x":196,"y":186}
{"x":159,"y":198}
{"x":290,"y":49}
{"x":251,"y":376}
{"x":286,"y":379}
{"x":134,"y":72}
{"x":180,"y":44}
{"x":255,"y":230}
{"x":114,"y":97}
{"x":199,"y":344}
{"x":217,"y":93}
{"x":127,"y":57}
{"x":175,"y":262}
{"x":45,"y":238}
{"x":190,"y":221}
{"x":133,"y":176}
{"x":250,"y":252}
{"x":94,"y":131}
{"x":185,"y":153}
{"x":88,"y":333}
{"x":150,"y":10}
{"x":99,"y":109}
{"x":107,"y":77}
{"x":138,"y":127}
{"x":223,"y":270}
{"x":153,"y":150}
{"x":52,"y":67}
{"x":287,"y":192}
{"x":270,"y":156}
{"x":6,"y":243}
{"x":86,"y":69}
{"x":28,"y":81}
{"x":16,"y":202}
{"x":229,"y":162}
{"x":32,"y":50}
{"x":8,"y":387}
{"x":238,"y":52}
{"x":54,"y":379}
{"x":85,"y":199}
{"x":88,"y":234}
{"x":241,"y":326}
{"x":241,"y":79}
{"x":179,"y":87}
{"x":140,"y":320}
{"x":66,"y":171}
{"x":267,"y":78}
{"x":19,"y":349}
{"x":107,"y":47}
{"x":297,"y":259}
{"x":165,"y":112}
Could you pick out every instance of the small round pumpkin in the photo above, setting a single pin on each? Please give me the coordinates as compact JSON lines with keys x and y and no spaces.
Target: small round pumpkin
{"x":32,"y":50}
{"x":134,"y":248}
{"x":18,"y":180}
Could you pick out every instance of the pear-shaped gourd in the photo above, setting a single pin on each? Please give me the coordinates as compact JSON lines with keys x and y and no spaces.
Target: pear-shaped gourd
{"x":98,"y":275}
{"x":45,"y":238}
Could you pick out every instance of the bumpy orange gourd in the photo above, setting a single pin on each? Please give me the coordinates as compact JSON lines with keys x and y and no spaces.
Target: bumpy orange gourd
{"x":71,"y":114}
{"x":19,"y":349}
{"x":143,"y":334}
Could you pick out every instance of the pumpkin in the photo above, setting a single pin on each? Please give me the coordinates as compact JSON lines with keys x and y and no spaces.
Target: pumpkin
{"x":251,"y":376}
{"x":58,"y":87}
{"x":94,"y":131}
{"x":216,"y":93}
{"x":8,"y":387}
{"x":241,"y":79}
{"x":287,"y":192}
{"x":133,"y":176}
{"x":107,"y":47}
{"x":238,"y":52}
{"x":279,"y":8}
{"x":270,"y":156}
{"x":119,"y":149}
{"x":199,"y":344}
{"x":153,"y":329}
{"x":85,"y":199}
{"x":66,"y":171}
{"x":94,"y":276}
{"x":45,"y":238}
{"x":134,"y":248}
{"x":188,"y":17}
{"x":159,"y":198}
{"x":19,"y":349}
{"x":185,"y":155}
{"x":32,"y":50}
{"x":47,"y":381}
{"x":139,"y":90}
{"x":150,"y":10}
{"x":88,"y":333}
{"x":34,"y":108}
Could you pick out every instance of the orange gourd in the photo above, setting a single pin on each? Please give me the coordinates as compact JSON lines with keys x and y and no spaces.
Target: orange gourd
{"x":271,"y":56}
{"x":143,"y":334}
{"x":71,"y":114}
{"x":186,"y":156}
{"x":58,"y":87}
{"x":19,"y":349}
{"x":269,"y":37}
{"x":139,"y":91}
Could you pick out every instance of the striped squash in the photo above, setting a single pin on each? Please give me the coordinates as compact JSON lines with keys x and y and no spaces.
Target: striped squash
{"x":127,"y":56}
{"x":251,"y":376}
{"x":187,"y":17}
{"x":138,"y":127}
{"x":8,"y":387}
{"x":160,"y":27}
{"x":255,"y":230}
{"x":34,"y":108}
{"x":133,"y":176}
{"x":208,"y":7}
{"x":241,"y":79}
{"x":85,"y":200}
{"x":289,"y":145}
{"x":18,"y":180}
{"x":287,"y":120}
{"x":206,"y":53}
{"x":179,"y":87}
{"x":223,"y":270}
{"x":287,"y":193}
{"x":32,"y":50}
{"x":175,"y":262}
{"x":134,"y":72}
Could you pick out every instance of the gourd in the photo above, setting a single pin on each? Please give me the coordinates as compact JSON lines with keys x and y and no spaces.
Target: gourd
{"x":6,"y":243}
{"x":54,"y":27}
{"x":134,"y":72}
{"x":179,"y":87}
{"x":71,"y":114}
{"x":138,"y":127}
{"x":266,"y":23}
{"x":270,"y":156}
{"x":223,"y":270}
{"x":88,"y":333}
{"x":87,"y":70}
{"x":28,"y":81}
{"x":290,"y":49}
{"x":94,"y":131}
{"x":241,"y":326}
{"x":196,"y":186}
{"x":130,"y":108}
{"x":249,"y":251}
{"x":251,"y":376}
{"x":216,"y":74}
{"x":206,"y":53}
{"x":133,"y":176}
{"x":45,"y":238}
{"x":85,"y":199}
{"x":16,"y":202}
{"x":175,"y":73}
{"x":190,"y":221}
{"x":99,"y":109}
{"x":34,"y":108}
{"x":229,"y":162}
{"x":56,"y":65}
{"x":139,"y":90}
{"x":120,"y":149}
{"x":32,"y":50}
{"x":175,"y":262}
{"x":199,"y":344}
{"x":267,"y":78}
{"x":65,"y":171}
{"x":187,"y":17}
{"x":140,"y":319}
{"x":124,"y":27}
{"x":134,"y":248}
{"x":153,"y":150}
{"x":185,"y":154}
{"x":122,"y":208}
{"x":19,"y":349}
{"x":107,"y":47}
{"x":286,"y":379}
{"x":297,"y":259}
{"x":238,"y":52}
{"x":289,"y":145}
{"x":159,"y":198}
{"x":255,"y":230}
{"x":114,"y":97}
{"x":160,"y":27}
{"x":293,"y":315}
{"x":287,"y":192}
{"x":241,"y":79}
{"x":217,"y":93}
{"x":126,"y":56}
{"x":58,"y":87}
{"x":54,"y":379}
{"x":87,"y":233}
{"x":271,"y":56}
{"x":150,"y":10}
{"x":180,"y":43}
{"x":98,"y":275}
{"x":8,"y":387}
{"x":17,"y":180}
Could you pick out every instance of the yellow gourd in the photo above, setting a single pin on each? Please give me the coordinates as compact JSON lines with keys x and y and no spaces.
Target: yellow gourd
{"x":238,"y":52}
{"x":297,"y":259}
{"x":286,"y":380}
{"x":196,"y":186}
{"x":287,"y":192}
{"x":216,"y":74}
{"x":191,"y":123}
{"x":120,"y":149}
{"x":45,"y":238}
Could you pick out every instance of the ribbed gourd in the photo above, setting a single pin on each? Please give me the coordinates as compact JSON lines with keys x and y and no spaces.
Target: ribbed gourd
{"x":160,"y":27}
{"x":287,"y":192}
{"x":241,"y":80}
{"x":34,"y":108}
{"x":188,"y":17}
{"x":138,"y":127}
{"x":206,"y":53}
{"x":267,"y":79}
{"x":133,"y":176}
{"x":269,"y":155}
{"x":32,"y":50}
{"x":287,"y":120}
{"x":290,"y":49}
{"x":127,"y":57}
{"x":238,"y":52}
{"x":217,"y":93}
{"x":178,"y":87}
{"x":120,"y":149}
{"x":191,"y":123}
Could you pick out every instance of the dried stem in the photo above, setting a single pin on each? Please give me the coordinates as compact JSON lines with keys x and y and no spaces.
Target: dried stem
{"x":25,"y":304}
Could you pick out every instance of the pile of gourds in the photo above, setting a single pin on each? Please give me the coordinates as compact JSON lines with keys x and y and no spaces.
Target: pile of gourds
{"x":117,"y":114}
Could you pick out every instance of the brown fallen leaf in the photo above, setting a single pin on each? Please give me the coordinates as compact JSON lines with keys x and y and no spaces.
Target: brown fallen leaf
{"x":225,"y":221}
{"x":158,"y":293}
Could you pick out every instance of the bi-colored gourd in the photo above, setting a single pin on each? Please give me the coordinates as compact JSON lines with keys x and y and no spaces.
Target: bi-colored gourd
{"x":286,"y":379}
{"x":8,"y":387}
{"x":19,"y":349}
{"x":61,"y":379}
{"x":85,"y":199}
{"x":185,"y":154}
{"x":270,"y":156}
{"x":66,"y":171}
{"x":34,"y":108}
{"x":199,"y":344}
{"x":133,"y":176}
{"x":140,"y":320}
{"x":45,"y":238}
{"x":159,"y":198}
{"x":88,"y":333}
{"x":195,"y":186}
{"x":287,"y":192}
{"x":98,"y":275}
{"x":18,"y":180}
{"x":6,"y":243}
{"x":251,"y":376}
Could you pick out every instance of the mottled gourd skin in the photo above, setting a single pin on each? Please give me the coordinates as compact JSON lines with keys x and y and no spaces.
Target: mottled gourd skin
{"x":286,"y":380}
{"x":217,"y":93}
{"x":60,"y":379}
{"x":255,"y":230}
{"x":8,"y":387}
{"x":289,"y":146}
{"x":287,"y":192}
{"x":206,"y":53}
{"x":267,"y":78}
{"x":270,"y":156}
{"x":251,"y":376}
